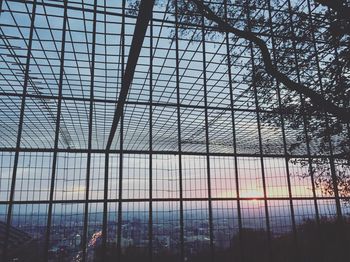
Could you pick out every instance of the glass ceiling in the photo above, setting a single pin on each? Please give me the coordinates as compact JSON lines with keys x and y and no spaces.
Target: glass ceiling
{"x":204,"y":149}
{"x":152,"y":99}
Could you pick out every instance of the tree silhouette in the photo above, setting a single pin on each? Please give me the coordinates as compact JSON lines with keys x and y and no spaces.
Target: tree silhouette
{"x":318,"y":101}
{"x":301,"y":71}
{"x":303,"y":60}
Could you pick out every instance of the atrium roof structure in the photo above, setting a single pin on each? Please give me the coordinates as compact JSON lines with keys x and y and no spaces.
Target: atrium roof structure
{"x":141,"y":127}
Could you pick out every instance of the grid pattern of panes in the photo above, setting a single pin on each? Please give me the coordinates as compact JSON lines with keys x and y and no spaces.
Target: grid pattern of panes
{"x":193,"y":169}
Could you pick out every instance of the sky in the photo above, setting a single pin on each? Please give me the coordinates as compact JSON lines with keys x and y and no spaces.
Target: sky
{"x":35,"y":169}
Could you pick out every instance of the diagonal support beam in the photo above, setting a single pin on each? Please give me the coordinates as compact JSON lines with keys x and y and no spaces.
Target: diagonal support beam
{"x":143,"y":18}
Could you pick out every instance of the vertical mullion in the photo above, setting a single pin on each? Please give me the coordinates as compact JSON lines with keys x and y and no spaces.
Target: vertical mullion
{"x":342,"y":237}
{"x":120,"y":189}
{"x":305,"y":125}
{"x":106,"y":70}
{"x":333,"y":171}
{"x":294,"y":228}
{"x":19,"y":132}
{"x":1,"y":1}
{"x":150,"y":214}
{"x":57,"y":131}
{"x":182,"y":242}
{"x":211,"y":232}
{"x":268,"y":226}
{"x":54,"y":163}
{"x":239,"y":213}
{"x":105,"y":206}
{"x":91,"y":110}
{"x":121,"y":155}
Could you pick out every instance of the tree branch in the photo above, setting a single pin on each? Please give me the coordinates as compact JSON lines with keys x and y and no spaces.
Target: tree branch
{"x":316,"y":99}
{"x":337,"y":5}
{"x":343,"y":156}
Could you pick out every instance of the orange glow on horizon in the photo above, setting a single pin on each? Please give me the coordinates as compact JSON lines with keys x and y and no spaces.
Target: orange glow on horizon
{"x":271,"y":192}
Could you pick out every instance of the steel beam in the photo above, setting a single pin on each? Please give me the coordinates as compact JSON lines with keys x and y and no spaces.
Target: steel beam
{"x":143,"y":18}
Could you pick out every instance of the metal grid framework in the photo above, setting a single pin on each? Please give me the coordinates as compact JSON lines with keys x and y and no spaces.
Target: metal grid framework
{"x":192,"y":163}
